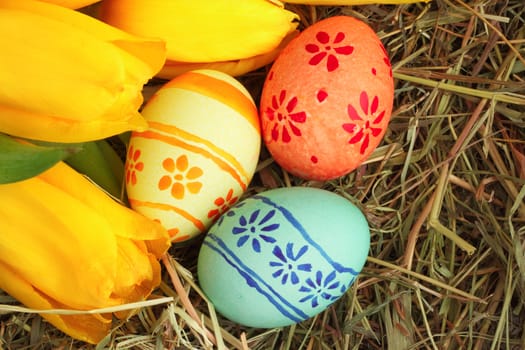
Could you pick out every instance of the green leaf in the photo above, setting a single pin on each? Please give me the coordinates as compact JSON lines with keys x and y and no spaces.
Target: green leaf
{"x":21,"y":159}
{"x":101,"y":166}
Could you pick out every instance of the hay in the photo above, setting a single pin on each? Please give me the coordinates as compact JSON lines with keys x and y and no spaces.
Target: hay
{"x":444,"y":196}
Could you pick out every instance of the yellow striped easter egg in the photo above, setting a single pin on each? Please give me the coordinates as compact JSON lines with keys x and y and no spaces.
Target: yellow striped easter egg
{"x":198,"y":155}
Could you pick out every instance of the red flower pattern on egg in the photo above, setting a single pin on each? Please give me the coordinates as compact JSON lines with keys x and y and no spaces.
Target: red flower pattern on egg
{"x":222,"y":205}
{"x":362,"y":128}
{"x":325,"y":48}
{"x":284,"y":117}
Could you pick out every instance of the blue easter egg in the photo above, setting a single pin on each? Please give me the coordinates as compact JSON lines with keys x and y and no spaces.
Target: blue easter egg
{"x":282,"y":256}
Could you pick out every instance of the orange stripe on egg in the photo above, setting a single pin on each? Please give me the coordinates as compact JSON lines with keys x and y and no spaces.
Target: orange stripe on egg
{"x":219,"y":90}
{"x":195,"y":149}
{"x":182,"y":238}
{"x":173,"y":130}
{"x":166,"y":207}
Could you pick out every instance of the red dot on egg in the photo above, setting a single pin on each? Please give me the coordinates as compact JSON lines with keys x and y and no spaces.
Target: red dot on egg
{"x":270,"y":75}
{"x":314,"y":159}
{"x":374,"y":71}
{"x":321,"y":95}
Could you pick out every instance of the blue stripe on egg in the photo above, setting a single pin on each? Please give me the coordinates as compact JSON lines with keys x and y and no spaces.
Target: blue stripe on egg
{"x":251,"y":276}
{"x":297,"y":225}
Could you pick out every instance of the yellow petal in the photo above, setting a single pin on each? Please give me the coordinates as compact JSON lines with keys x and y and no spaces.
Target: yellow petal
{"x":130,"y":224}
{"x":205,"y":31}
{"x":68,"y":77}
{"x":137,"y":271}
{"x":72,"y":4}
{"x":88,"y":328}
{"x":44,"y":231}
{"x":150,"y":51}
{"x":66,"y":244}
{"x":235,"y":68}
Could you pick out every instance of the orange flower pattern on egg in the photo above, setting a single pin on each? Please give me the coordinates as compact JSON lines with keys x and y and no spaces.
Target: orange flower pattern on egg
{"x":180,"y":177}
{"x":133,"y":166}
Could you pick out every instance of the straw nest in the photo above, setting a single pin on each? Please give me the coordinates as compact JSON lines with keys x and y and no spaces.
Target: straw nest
{"x":444,"y":196}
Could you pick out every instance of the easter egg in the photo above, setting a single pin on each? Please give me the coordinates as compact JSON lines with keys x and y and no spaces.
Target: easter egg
{"x":282,"y":256}
{"x":197,"y":156}
{"x":327,"y":99}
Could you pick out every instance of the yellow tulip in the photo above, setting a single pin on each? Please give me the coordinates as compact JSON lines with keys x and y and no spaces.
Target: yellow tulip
{"x":72,"y":4}
{"x":68,"y":77}
{"x":234,"y":68}
{"x":202,"y":32}
{"x":65,"y":244}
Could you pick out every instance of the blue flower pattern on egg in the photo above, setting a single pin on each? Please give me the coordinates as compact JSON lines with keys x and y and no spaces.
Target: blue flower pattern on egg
{"x":287,"y":267}
{"x":287,"y":263}
{"x":320,"y":287}
{"x":251,"y":228}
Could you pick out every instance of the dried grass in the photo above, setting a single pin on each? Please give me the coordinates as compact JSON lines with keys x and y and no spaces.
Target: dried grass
{"x":444,"y":196}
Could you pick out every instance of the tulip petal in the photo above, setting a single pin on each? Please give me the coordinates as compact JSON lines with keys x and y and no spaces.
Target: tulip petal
{"x":235,"y":68}
{"x":137,"y":273}
{"x":205,"y":31}
{"x":57,"y":232}
{"x":79,"y":80}
{"x":149,"y":50}
{"x":88,"y":328}
{"x":130,"y":224}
